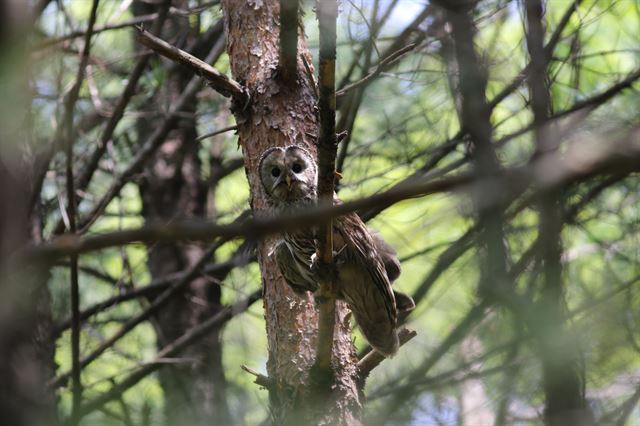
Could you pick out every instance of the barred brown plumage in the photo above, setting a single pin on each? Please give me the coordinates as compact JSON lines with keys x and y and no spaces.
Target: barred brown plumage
{"x":366,"y":265}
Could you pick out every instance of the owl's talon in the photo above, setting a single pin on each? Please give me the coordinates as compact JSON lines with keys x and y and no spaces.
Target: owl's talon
{"x":324,"y":272}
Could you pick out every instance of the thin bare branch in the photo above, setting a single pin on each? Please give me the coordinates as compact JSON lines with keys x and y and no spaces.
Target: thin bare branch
{"x":217,"y":132}
{"x":261,"y":379}
{"x":220,"y":270}
{"x":98,"y":29}
{"x":91,"y":166}
{"x":153,"y":307}
{"x":152,"y":143}
{"x":383,"y":65}
{"x":221,"y":83}
{"x":142,"y":19}
{"x":193,"y":335}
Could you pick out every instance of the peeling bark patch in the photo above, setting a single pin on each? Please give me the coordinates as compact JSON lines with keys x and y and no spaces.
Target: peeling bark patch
{"x":256,"y":51}
{"x":256,"y":4}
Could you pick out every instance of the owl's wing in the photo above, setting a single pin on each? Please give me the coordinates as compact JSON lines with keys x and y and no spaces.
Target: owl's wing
{"x":404,"y":302}
{"x":289,"y":270}
{"x":364,"y":284}
{"x":388,"y":255}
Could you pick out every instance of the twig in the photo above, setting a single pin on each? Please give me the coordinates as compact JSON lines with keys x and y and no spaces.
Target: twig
{"x":549,"y":48}
{"x":148,"y":148}
{"x":157,"y":285}
{"x":586,"y":105}
{"x":438,"y":380}
{"x":152,"y":17}
{"x":261,"y":379}
{"x":191,"y":336}
{"x":217,"y":132}
{"x":374,"y":31}
{"x":470,"y":320}
{"x":98,"y":29}
{"x":224,"y":85}
{"x":89,"y":169}
{"x":450,"y":145}
{"x":448,"y":379}
{"x":157,"y":303}
{"x":312,"y":78}
{"x":464,"y":243}
{"x":581,"y":108}
{"x":477,"y":127}
{"x":215,"y":32}
{"x":382,"y":66}
{"x":350,"y":104}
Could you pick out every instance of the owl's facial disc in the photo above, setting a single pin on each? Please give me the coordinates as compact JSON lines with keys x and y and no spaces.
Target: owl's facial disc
{"x":288,"y":175}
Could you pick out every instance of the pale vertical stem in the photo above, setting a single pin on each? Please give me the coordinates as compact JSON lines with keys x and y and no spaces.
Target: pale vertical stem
{"x":327,"y":15}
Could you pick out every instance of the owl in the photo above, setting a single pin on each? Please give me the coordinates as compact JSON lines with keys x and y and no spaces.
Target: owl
{"x":366,"y":265}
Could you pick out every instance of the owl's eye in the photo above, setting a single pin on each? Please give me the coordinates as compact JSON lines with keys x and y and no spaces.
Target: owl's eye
{"x":275,"y":172}
{"x":297,"y":168}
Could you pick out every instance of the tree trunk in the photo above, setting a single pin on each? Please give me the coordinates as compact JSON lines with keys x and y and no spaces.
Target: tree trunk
{"x":561,"y":359}
{"x":27,"y":343}
{"x":172,"y":188}
{"x":279,"y":115}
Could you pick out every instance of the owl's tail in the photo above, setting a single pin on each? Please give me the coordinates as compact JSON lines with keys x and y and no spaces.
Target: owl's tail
{"x":379,"y":331}
{"x":375,"y":314}
{"x":370,"y":298}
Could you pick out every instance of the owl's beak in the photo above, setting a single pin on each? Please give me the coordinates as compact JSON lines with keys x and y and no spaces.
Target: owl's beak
{"x":288,"y":179}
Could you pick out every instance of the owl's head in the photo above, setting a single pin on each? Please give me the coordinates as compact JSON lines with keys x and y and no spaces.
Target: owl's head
{"x":288,"y":175}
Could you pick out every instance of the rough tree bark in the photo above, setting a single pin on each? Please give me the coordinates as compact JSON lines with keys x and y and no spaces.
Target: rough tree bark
{"x":172,"y":188}
{"x":278,"y":115}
